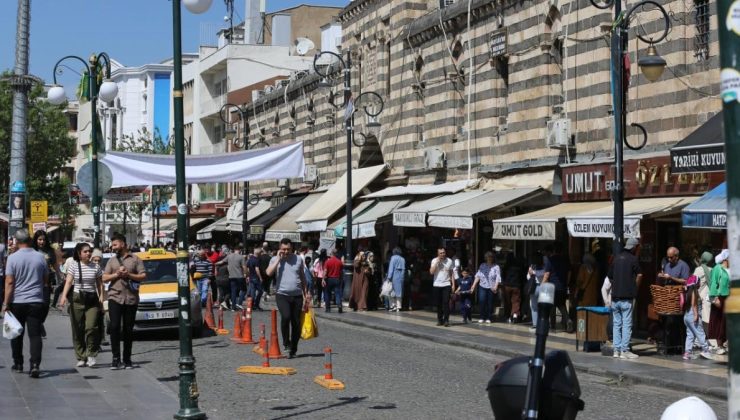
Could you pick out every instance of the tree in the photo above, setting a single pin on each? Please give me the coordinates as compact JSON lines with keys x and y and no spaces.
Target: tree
{"x":49,"y":149}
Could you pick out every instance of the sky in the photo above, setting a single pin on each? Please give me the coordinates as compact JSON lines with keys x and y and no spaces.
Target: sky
{"x":133,"y":32}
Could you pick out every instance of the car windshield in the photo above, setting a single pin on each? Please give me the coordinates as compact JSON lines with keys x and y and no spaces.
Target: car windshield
{"x":160,"y":271}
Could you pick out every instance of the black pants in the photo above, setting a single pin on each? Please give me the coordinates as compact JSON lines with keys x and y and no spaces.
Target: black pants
{"x":30,"y":316}
{"x":126,"y":315}
{"x":442,"y":299}
{"x":290,"y":308}
{"x":560,"y":298}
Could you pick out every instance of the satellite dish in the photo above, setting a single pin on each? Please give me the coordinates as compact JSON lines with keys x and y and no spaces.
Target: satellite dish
{"x":303,"y":46}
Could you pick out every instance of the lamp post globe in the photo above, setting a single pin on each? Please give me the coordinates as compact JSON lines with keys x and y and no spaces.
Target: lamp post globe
{"x":197,"y":6}
{"x":108,"y":90}
{"x":652,"y":65}
{"x":56,"y":95}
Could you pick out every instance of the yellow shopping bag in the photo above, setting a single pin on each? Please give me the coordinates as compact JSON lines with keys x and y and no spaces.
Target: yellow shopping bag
{"x":309,"y":328}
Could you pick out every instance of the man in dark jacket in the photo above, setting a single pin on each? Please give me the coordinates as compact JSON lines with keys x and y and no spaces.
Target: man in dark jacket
{"x":625,"y":276}
{"x":513,"y":281}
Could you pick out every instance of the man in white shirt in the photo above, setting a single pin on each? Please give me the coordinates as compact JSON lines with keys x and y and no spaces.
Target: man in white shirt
{"x":444,"y":283}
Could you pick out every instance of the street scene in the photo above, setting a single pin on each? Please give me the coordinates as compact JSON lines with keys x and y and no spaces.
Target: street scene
{"x":370,"y":209}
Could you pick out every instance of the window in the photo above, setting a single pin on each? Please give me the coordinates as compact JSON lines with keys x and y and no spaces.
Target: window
{"x":212,"y":192}
{"x":218,"y":133}
{"x":701,"y":23}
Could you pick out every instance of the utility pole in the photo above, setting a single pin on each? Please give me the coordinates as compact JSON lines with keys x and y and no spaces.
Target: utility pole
{"x":21,"y":83}
{"x":728,"y":12}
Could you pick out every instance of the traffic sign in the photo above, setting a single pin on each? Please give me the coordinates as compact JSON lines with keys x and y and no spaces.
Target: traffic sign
{"x":105,"y":178}
{"x":39,"y":211}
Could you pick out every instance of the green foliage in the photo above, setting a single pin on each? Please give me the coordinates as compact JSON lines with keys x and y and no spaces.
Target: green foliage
{"x":49,"y":148}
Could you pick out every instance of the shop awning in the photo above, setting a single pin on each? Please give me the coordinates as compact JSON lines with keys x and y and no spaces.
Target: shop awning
{"x":267,"y":219}
{"x":541,"y":179}
{"x":207,"y":232}
{"x":445,"y":188}
{"x":232,"y":222}
{"x":338,"y":228}
{"x":460,"y":215}
{"x":316,"y":218}
{"x":540,"y":225}
{"x":709,"y":211}
{"x":599,"y":223}
{"x":364,"y":224}
{"x":415,"y":215}
{"x":287,"y":225}
{"x":701,"y":151}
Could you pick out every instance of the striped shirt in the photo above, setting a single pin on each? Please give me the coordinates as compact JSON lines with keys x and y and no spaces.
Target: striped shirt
{"x":203,"y":266}
{"x":90,"y":273}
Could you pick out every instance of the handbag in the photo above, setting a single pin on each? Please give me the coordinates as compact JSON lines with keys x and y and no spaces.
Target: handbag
{"x":309,"y":329}
{"x":386,"y":290}
{"x":531,"y":284}
{"x":11,"y":327}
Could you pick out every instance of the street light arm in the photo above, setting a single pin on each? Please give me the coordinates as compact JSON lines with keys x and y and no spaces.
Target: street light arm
{"x":644,"y":137}
{"x":319,"y":54}
{"x":626,"y":21}
{"x":106,"y":59}
{"x":56,"y":66}
{"x":364,"y":108}
{"x":603,"y":6}
{"x":325,"y":75}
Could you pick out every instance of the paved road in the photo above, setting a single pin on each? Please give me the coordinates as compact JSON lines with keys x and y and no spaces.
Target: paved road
{"x":387,"y":376}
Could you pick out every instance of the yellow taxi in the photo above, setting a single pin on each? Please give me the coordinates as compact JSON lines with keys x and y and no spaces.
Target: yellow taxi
{"x":158,"y":299}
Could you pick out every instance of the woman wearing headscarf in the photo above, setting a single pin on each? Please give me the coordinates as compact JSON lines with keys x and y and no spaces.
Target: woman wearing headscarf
{"x":703,"y":272}
{"x":719,"y":289}
{"x":41,"y":244}
{"x":396,"y":274}
{"x":373,"y":282}
{"x":85,"y":278}
{"x":360,"y":283}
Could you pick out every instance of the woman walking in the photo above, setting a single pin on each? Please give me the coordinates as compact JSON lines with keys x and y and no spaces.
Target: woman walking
{"x":373,"y":282}
{"x":41,"y":244}
{"x":360,"y":283}
{"x":85,"y":278}
{"x":488,"y":279}
{"x":319,"y":274}
{"x":396,"y":274}
{"x":719,"y":290}
{"x":703,"y":272}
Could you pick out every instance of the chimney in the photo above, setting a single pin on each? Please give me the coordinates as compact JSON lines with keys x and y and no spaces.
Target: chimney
{"x":253,"y":21}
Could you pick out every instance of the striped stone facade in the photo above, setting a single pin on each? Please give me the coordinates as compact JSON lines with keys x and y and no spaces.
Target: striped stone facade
{"x":443,"y":90}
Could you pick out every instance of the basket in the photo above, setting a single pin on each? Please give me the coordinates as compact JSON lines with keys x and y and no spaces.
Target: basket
{"x":666,"y":299}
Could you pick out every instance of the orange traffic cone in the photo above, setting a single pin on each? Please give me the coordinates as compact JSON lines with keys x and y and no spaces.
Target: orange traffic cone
{"x":246,"y":337}
{"x":237,"y":327}
{"x":210,"y":322}
{"x":327,"y":379}
{"x":221,"y":330}
{"x":274,"y":349}
{"x":262,"y":346}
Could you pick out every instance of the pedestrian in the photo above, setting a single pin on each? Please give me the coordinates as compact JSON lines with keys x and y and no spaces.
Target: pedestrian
{"x":441,"y":269}
{"x":255,"y":278}
{"x":235,"y":283}
{"x":26,"y":276}
{"x":692,"y":320}
{"x":291,"y":296}
{"x":719,"y":290}
{"x":703,"y":272}
{"x":465,"y":291}
{"x":58,"y":275}
{"x":513,"y":281}
{"x":537,"y":271}
{"x":97,"y":258}
{"x":319,"y":274}
{"x":487,"y":281}
{"x":373,"y":273}
{"x":3,"y":256}
{"x":360,"y":283}
{"x":125,"y":271}
{"x":41,"y":244}
{"x":625,"y":276}
{"x":674,"y":270}
{"x":224,"y":297}
{"x":557,"y":272}
{"x":201,"y":264}
{"x":264,"y":262}
{"x":85,"y":279}
{"x":396,"y":275}
{"x":333,"y":281}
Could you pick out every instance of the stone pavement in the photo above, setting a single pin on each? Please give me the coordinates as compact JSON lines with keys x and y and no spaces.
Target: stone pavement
{"x":66,"y":392}
{"x":707,"y":377}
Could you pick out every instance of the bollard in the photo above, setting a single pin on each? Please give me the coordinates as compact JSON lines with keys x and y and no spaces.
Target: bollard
{"x":237,"y":328}
{"x":210,"y":322}
{"x":266,"y":369}
{"x":262,"y":346}
{"x":327,"y":379}
{"x":246,"y":330}
{"x":274,"y":349}
{"x":221,"y":330}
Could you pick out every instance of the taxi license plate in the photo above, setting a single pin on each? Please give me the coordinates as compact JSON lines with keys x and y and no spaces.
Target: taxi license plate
{"x":160,"y":315}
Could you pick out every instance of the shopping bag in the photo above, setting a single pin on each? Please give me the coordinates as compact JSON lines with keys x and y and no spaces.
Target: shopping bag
{"x":11,"y":327}
{"x":387,"y":289}
{"x":309,"y":329}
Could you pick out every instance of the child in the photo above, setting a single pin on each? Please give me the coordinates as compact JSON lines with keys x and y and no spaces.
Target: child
{"x":465,"y":284}
{"x":692,"y":320}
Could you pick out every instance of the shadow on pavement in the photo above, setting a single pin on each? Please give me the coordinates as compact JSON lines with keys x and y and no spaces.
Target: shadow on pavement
{"x":344,"y":401}
{"x":56,"y":372}
{"x":298,"y":356}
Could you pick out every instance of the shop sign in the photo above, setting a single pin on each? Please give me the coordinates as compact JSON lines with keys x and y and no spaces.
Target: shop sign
{"x":498,"y":43}
{"x":133,"y":194}
{"x":705,"y":159}
{"x":278,"y":236}
{"x":256,"y":230}
{"x":601,"y":227}
{"x":366,"y":230}
{"x":642,"y":177}
{"x":327,"y":234}
{"x":539,"y":231}
{"x":202,"y":236}
{"x":312,"y":226}
{"x":409,"y":219}
{"x":451,"y":222}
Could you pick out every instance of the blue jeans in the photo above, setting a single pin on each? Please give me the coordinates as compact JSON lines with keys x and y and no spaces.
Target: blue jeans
{"x":255,"y":292}
{"x":237,"y":291}
{"x":202,"y":286}
{"x":533,"y":304}
{"x":622,"y":312}
{"x":694,"y":330}
{"x":485,"y":300}
{"x":336,"y":286}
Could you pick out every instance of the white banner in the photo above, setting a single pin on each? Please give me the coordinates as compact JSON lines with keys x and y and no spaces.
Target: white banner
{"x":313,"y":226}
{"x":278,"y":162}
{"x":409,"y":219}
{"x":601,"y":227}
{"x":536,"y":231}
{"x":451,"y":222}
{"x":272,"y":236}
{"x":366,"y":230}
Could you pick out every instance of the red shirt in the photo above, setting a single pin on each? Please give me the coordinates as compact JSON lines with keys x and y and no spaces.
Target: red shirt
{"x":333,"y":268}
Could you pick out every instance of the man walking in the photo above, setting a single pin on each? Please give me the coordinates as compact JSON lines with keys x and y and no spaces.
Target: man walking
{"x":264,"y":262}
{"x":202,"y":265}
{"x":333,"y":281}
{"x":234,"y":261}
{"x":26,"y":276}
{"x":441,"y":269}
{"x":625,"y":276}
{"x":255,"y":278}
{"x":125,"y":271}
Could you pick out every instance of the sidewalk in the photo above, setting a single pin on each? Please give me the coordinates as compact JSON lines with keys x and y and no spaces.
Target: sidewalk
{"x":705,"y":377}
{"x":66,"y":392}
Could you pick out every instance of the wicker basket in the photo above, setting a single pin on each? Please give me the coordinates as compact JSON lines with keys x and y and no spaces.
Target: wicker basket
{"x":666,"y":299}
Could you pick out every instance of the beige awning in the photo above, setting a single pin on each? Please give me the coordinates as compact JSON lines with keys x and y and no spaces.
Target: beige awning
{"x":286,"y":226}
{"x":542,"y":180}
{"x":232,"y":222}
{"x":316,"y":218}
{"x":415,"y":214}
{"x":460,"y":215}
{"x":599,"y":223}
{"x":338,"y":228}
{"x":540,"y":224}
{"x":425,"y":189}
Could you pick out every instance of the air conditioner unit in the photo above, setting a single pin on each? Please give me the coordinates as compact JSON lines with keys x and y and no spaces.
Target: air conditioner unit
{"x":256,"y":94}
{"x":445,"y":3}
{"x":282,"y":183}
{"x":269,"y":89}
{"x":558,"y":133}
{"x":311,"y":173}
{"x":282,"y":83}
{"x":434,"y":159}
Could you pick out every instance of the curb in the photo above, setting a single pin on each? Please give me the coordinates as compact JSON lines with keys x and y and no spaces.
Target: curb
{"x":621,"y":377}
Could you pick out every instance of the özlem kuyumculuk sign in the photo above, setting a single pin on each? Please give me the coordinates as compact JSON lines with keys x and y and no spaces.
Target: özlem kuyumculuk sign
{"x":601,"y":227}
{"x":542,"y":231}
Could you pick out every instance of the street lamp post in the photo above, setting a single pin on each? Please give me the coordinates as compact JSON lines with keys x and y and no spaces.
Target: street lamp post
{"x":349,"y":122}
{"x":652,"y":66}
{"x":107,"y":92}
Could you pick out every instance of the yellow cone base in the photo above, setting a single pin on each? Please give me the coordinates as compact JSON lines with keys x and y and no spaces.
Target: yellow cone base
{"x":258,"y":350}
{"x":261,"y":370}
{"x":332,"y":384}
{"x":222,"y":332}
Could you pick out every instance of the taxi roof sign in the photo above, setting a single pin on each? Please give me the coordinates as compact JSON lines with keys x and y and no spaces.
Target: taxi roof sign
{"x":157,"y":251}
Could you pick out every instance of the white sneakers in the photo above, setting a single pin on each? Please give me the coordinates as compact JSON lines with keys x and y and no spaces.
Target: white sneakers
{"x":480,"y":321}
{"x":80,"y":363}
{"x":488,"y":321}
{"x":91,"y":361}
{"x":628,"y":355}
{"x":616,"y":354}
